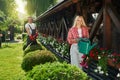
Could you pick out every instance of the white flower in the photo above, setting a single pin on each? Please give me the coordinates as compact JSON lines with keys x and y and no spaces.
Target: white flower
{"x":62,"y":51}
{"x":99,"y":68}
{"x":57,"y":50}
{"x":96,"y":70}
{"x":106,"y":74}
{"x":101,"y":72}
{"x":103,"y":52}
{"x":99,"y":57}
{"x":119,"y":69}
{"x":118,"y":75}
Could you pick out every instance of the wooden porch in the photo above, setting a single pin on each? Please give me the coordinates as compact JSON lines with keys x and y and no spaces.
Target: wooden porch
{"x":102,"y":18}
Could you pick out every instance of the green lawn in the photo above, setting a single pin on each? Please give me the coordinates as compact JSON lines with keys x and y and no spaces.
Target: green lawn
{"x":10,"y":62}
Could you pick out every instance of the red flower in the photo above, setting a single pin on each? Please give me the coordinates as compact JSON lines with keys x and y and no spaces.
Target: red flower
{"x":44,"y":35}
{"x":92,"y":55}
{"x":114,"y":60}
{"x":114,"y":54}
{"x":84,"y":56}
{"x":101,"y":48}
{"x":84,"y":64}
{"x":96,"y":53}
{"x":60,"y":40}
{"x":105,"y":48}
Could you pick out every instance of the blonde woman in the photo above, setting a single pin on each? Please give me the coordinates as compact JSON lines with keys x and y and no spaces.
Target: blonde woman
{"x":78,"y":30}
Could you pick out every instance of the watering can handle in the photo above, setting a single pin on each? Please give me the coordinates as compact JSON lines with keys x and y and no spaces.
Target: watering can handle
{"x":85,"y":40}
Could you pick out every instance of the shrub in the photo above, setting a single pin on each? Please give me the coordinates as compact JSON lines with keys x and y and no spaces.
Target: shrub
{"x":24,"y":36}
{"x":37,"y":57}
{"x":32,"y":48}
{"x":56,"y":71}
{"x":19,"y":37}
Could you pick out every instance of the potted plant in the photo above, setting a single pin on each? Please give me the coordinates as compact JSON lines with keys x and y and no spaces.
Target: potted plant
{"x":101,"y":56}
{"x":114,"y":60}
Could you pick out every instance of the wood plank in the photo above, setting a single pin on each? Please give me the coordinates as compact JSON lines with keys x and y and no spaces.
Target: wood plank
{"x":56,"y":28}
{"x":59,"y":29}
{"x":114,"y":17}
{"x":64,"y":22}
{"x":65,"y":29}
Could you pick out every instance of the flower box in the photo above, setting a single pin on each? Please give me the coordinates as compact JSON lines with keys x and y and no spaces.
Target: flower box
{"x":112,"y":63}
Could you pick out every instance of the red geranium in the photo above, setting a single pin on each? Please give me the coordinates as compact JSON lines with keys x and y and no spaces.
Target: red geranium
{"x":92,"y":55}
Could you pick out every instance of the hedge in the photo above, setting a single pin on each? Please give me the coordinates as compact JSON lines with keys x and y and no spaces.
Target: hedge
{"x":56,"y":71}
{"x":37,"y":57}
{"x":32,"y":48}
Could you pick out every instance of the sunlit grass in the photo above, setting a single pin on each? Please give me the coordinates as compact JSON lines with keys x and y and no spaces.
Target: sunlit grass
{"x":10,"y":61}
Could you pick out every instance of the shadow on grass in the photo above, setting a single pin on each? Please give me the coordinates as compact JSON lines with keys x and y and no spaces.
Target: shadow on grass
{"x":7,"y":45}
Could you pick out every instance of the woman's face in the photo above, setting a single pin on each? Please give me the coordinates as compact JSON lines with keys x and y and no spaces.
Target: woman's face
{"x":79,"y":21}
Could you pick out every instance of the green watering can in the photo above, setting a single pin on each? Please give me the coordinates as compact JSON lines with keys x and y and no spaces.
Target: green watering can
{"x":84,"y":45}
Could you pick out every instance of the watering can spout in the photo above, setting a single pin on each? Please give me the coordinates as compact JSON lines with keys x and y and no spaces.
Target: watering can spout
{"x":92,"y":46}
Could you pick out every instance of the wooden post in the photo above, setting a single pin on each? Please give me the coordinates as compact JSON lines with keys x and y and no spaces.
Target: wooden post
{"x":96,"y":25}
{"x":107,"y":26}
{"x":75,"y":1}
{"x":78,"y":8}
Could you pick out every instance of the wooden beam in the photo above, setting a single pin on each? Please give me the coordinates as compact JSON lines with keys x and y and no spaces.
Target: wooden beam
{"x":107,"y":27}
{"x":59,"y":29}
{"x":64,"y":22}
{"x":65,"y":27}
{"x":96,"y":25}
{"x":56,"y":28}
{"x":75,"y":1}
{"x":113,"y":16}
{"x":49,"y":26}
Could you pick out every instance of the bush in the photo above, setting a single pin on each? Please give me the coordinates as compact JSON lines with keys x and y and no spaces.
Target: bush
{"x":32,"y":48}
{"x":37,"y":57}
{"x":18,"y":36}
{"x":56,"y":71}
{"x":24,"y":36}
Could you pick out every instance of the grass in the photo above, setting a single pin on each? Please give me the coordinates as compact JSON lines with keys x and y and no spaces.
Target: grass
{"x":10,"y":61}
{"x":11,"y":56}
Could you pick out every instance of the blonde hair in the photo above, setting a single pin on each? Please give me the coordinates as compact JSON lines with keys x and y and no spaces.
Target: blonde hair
{"x":75,"y":21}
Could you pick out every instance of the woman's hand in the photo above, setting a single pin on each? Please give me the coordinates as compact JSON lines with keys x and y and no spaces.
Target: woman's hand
{"x":76,"y":40}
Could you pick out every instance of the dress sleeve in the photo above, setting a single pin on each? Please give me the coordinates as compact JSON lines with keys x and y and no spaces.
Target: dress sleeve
{"x":70,"y":37}
{"x":85,"y":32}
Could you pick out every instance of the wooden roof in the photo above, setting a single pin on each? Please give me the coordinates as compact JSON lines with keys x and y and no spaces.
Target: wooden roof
{"x":57,"y":8}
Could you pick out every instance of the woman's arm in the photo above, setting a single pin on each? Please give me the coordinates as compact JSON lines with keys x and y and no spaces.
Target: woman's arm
{"x":70,"y":38}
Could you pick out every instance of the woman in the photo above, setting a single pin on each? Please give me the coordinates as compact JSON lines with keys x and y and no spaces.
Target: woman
{"x":78,"y":30}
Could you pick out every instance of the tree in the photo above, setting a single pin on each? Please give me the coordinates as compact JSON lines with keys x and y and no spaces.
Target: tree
{"x":38,"y":6}
{"x":9,"y":8}
{"x":8,"y":13}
